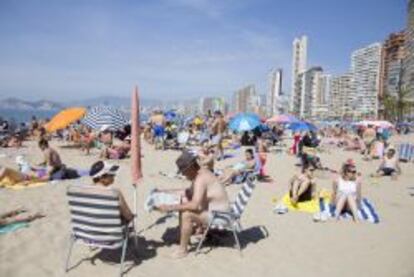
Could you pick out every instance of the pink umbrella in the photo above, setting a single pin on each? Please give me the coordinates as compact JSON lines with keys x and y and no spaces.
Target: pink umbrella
{"x":136,"y":168}
{"x":282,"y":118}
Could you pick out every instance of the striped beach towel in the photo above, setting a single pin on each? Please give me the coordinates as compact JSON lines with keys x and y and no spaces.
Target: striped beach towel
{"x":367,"y":211}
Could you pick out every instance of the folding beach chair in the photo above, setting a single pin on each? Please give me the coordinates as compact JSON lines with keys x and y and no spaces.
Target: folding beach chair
{"x":96,"y":220}
{"x":230,"y":221}
{"x":406,"y":152}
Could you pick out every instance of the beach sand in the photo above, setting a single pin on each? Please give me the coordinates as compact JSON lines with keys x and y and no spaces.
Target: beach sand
{"x":295,"y":245}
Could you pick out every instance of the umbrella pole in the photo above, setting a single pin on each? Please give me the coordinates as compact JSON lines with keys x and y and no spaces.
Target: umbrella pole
{"x":136,"y":218}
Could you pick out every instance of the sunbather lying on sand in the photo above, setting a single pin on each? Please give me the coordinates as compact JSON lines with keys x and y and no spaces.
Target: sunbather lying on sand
{"x":302,"y":187}
{"x":248,"y":165}
{"x":16,"y":216}
{"x":117,"y":152}
{"x":16,"y":177}
{"x":346,"y":194}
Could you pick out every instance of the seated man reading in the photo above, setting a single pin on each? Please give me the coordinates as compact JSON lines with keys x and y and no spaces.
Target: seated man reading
{"x":205,"y":194}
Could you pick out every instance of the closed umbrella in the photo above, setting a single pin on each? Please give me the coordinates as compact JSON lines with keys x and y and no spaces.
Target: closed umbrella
{"x":64,"y":118}
{"x":136,"y":165}
{"x":244,"y":122}
{"x":107,"y":116}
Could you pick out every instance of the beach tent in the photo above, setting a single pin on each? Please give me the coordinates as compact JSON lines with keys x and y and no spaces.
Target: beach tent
{"x":105,"y":116}
{"x":244,"y":122}
{"x":64,"y":118}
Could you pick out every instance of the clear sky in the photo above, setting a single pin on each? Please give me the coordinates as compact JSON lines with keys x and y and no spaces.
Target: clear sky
{"x":173,"y":49}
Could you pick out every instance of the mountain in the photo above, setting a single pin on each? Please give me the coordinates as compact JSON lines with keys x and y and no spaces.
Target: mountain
{"x":114,"y":101}
{"x":18,"y":104}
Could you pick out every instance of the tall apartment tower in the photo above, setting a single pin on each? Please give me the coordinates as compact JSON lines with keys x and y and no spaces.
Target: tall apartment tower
{"x":245,"y":99}
{"x":408,"y":64}
{"x":299,"y":63}
{"x":393,"y":54}
{"x":275,"y":92}
{"x":307,"y":87}
{"x":341,"y":98}
{"x":365,"y":67}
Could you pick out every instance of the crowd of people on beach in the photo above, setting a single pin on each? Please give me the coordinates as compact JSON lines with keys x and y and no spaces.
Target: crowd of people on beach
{"x":206,"y":141}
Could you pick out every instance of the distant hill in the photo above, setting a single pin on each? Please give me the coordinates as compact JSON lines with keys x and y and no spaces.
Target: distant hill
{"x":113,"y":101}
{"x":18,"y":104}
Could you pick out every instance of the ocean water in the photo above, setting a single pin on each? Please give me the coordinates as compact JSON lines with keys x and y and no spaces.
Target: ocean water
{"x":19,"y":116}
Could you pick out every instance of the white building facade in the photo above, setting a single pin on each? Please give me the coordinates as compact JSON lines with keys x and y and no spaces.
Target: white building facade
{"x":365,"y":68}
{"x":299,"y":63}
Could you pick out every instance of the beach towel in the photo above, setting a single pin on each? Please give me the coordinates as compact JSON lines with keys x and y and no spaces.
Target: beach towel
{"x":367,"y":211}
{"x":10,"y":184}
{"x":311,"y":206}
{"x":156,"y":198}
{"x":13,"y":227}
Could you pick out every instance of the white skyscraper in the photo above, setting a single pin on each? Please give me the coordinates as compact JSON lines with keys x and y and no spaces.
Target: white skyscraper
{"x":365,"y":67}
{"x":275,"y":92}
{"x":299,"y":62}
{"x":342,"y":102}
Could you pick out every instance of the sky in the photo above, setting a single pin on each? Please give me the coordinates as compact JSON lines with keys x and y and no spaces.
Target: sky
{"x":176,"y":49}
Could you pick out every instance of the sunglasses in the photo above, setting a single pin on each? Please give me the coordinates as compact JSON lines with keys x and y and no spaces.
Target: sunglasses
{"x":352,"y":171}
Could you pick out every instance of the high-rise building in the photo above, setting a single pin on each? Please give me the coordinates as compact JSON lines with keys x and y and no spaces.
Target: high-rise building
{"x":299,"y":62}
{"x":275,"y":92}
{"x":408,"y":63}
{"x":307,"y":87}
{"x":320,"y":95}
{"x":391,"y":68}
{"x":365,"y":67}
{"x":212,"y":104}
{"x":341,"y":98}
{"x":245,"y":100}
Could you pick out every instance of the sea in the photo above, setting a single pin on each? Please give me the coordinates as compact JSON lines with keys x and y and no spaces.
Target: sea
{"x":20,"y":116}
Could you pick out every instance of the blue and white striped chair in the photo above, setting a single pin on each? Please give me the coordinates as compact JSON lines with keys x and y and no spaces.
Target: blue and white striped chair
{"x":230,"y":221}
{"x":96,"y":220}
{"x":406,"y":152}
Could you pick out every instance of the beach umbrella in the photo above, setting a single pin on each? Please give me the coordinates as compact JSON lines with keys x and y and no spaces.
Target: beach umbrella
{"x":244,"y":122}
{"x":136,"y":165}
{"x":64,"y":118}
{"x":282,"y":119}
{"x":105,"y":116}
{"x":302,"y":126}
{"x":377,"y":123}
{"x":170,"y":115}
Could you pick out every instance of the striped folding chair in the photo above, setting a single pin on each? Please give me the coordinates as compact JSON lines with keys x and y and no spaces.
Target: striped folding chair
{"x":230,"y":221}
{"x":96,"y":220}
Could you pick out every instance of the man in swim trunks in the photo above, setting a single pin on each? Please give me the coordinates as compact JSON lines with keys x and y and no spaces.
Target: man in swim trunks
{"x":205,"y":194}
{"x":389,"y":165}
{"x":368,"y":136}
{"x":55,"y":167}
{"x":158,"y":124}
{"x":217,"y":130}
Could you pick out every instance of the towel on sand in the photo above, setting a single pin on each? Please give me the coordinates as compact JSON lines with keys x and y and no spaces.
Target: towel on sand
{"x":13,"y":227}
{"x":367,"y":211}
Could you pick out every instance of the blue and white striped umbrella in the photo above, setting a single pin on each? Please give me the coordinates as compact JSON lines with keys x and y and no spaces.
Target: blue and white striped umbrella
{"x":105,"y":116}
{"x":244,"y":122}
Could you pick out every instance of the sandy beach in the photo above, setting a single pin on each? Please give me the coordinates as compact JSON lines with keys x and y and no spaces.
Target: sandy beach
{"x":294,"y":245}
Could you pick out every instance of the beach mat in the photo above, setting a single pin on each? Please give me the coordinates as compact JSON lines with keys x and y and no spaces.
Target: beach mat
{"x":367,"y":212}
{"x":8,"y":183}
{"x":13,"y":227}
{"x":311,"y":206}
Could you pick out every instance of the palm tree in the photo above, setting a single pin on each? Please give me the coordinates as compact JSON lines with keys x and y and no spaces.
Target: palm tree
{"x":390,"y":103}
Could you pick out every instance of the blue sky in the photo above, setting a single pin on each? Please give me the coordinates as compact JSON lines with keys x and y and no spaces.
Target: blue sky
{"x":175,"y":49}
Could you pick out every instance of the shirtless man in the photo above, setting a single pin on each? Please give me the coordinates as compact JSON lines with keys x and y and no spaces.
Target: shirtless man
{"x":206,"y":156}
{"x":217,"y":130}
{"x":55,"y":167}
{"x":368,"y":136}
{"x":158,"y":122}
{"x":205,"y":195}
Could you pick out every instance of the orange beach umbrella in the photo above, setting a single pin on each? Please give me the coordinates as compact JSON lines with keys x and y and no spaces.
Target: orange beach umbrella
{"x":64,"y":118}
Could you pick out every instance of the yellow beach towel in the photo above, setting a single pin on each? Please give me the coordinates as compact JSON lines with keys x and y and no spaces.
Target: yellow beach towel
{"x":311,"y":206}
{"x":10,"y":184}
